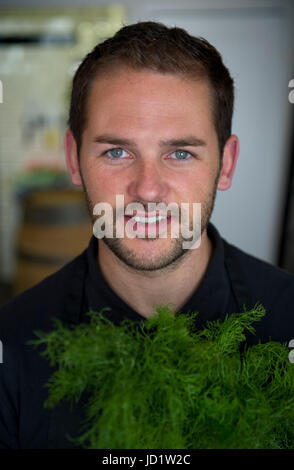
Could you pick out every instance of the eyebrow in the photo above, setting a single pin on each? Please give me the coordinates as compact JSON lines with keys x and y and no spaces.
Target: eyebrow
{"x":187,"y":141}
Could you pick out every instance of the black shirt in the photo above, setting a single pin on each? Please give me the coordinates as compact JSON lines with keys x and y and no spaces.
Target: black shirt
{"x":232,"y":279}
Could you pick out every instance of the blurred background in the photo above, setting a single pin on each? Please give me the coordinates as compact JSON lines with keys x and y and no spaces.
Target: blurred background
{"x":43,"y":218}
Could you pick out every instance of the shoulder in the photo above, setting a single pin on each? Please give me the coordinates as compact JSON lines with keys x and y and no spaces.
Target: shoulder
{"x":262,"y":274}
{"x":274,"y":289}
{"x":36,"y":307}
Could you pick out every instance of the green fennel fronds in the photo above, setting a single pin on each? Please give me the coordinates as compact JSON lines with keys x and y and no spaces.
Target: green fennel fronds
{"x":162,"y":384}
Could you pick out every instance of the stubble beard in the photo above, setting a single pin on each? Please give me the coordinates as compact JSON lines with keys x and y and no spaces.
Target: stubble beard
{"x":167,"y":259}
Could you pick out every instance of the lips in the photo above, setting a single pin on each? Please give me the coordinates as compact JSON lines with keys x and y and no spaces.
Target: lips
{"x":145,"y":226}
{"x":149,"y":220}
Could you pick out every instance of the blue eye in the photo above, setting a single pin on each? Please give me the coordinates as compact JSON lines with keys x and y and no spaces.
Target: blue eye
{"x":181,"y":154}
{"x":116,"y":153}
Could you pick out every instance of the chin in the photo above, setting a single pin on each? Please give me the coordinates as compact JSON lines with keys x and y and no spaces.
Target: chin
{"x":146,"y":254}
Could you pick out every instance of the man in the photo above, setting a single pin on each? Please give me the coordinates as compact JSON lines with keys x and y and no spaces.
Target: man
{"x":150,"y":120}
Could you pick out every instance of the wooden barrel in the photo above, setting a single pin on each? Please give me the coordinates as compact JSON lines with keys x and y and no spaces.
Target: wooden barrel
{"x":56,"y":227}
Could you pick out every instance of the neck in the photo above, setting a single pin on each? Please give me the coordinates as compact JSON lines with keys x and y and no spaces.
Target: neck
{"x":144,"y":290}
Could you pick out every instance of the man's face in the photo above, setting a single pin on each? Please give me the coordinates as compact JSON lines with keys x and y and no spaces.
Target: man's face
{"x":149,"y":137}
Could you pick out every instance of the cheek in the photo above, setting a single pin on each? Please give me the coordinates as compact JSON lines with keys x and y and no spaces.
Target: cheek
{"x":196,"y":187}
{"x":102,"y":186}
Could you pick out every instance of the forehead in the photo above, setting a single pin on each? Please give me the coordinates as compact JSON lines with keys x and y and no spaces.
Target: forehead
{"x":129,"y":98}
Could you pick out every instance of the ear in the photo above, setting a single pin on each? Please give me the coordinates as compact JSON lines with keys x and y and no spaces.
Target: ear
{"x":72,"y":161}
{"x":229,"y":160}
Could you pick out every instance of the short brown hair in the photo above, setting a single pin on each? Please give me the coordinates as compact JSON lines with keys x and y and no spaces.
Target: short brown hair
{"x":151,"y":45}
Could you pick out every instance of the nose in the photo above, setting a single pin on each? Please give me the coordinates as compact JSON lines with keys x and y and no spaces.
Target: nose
{"x":148,"y":183}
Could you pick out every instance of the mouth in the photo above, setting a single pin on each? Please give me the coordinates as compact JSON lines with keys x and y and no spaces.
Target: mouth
{"x":150,"y":226}
{"x":149,"y":219}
